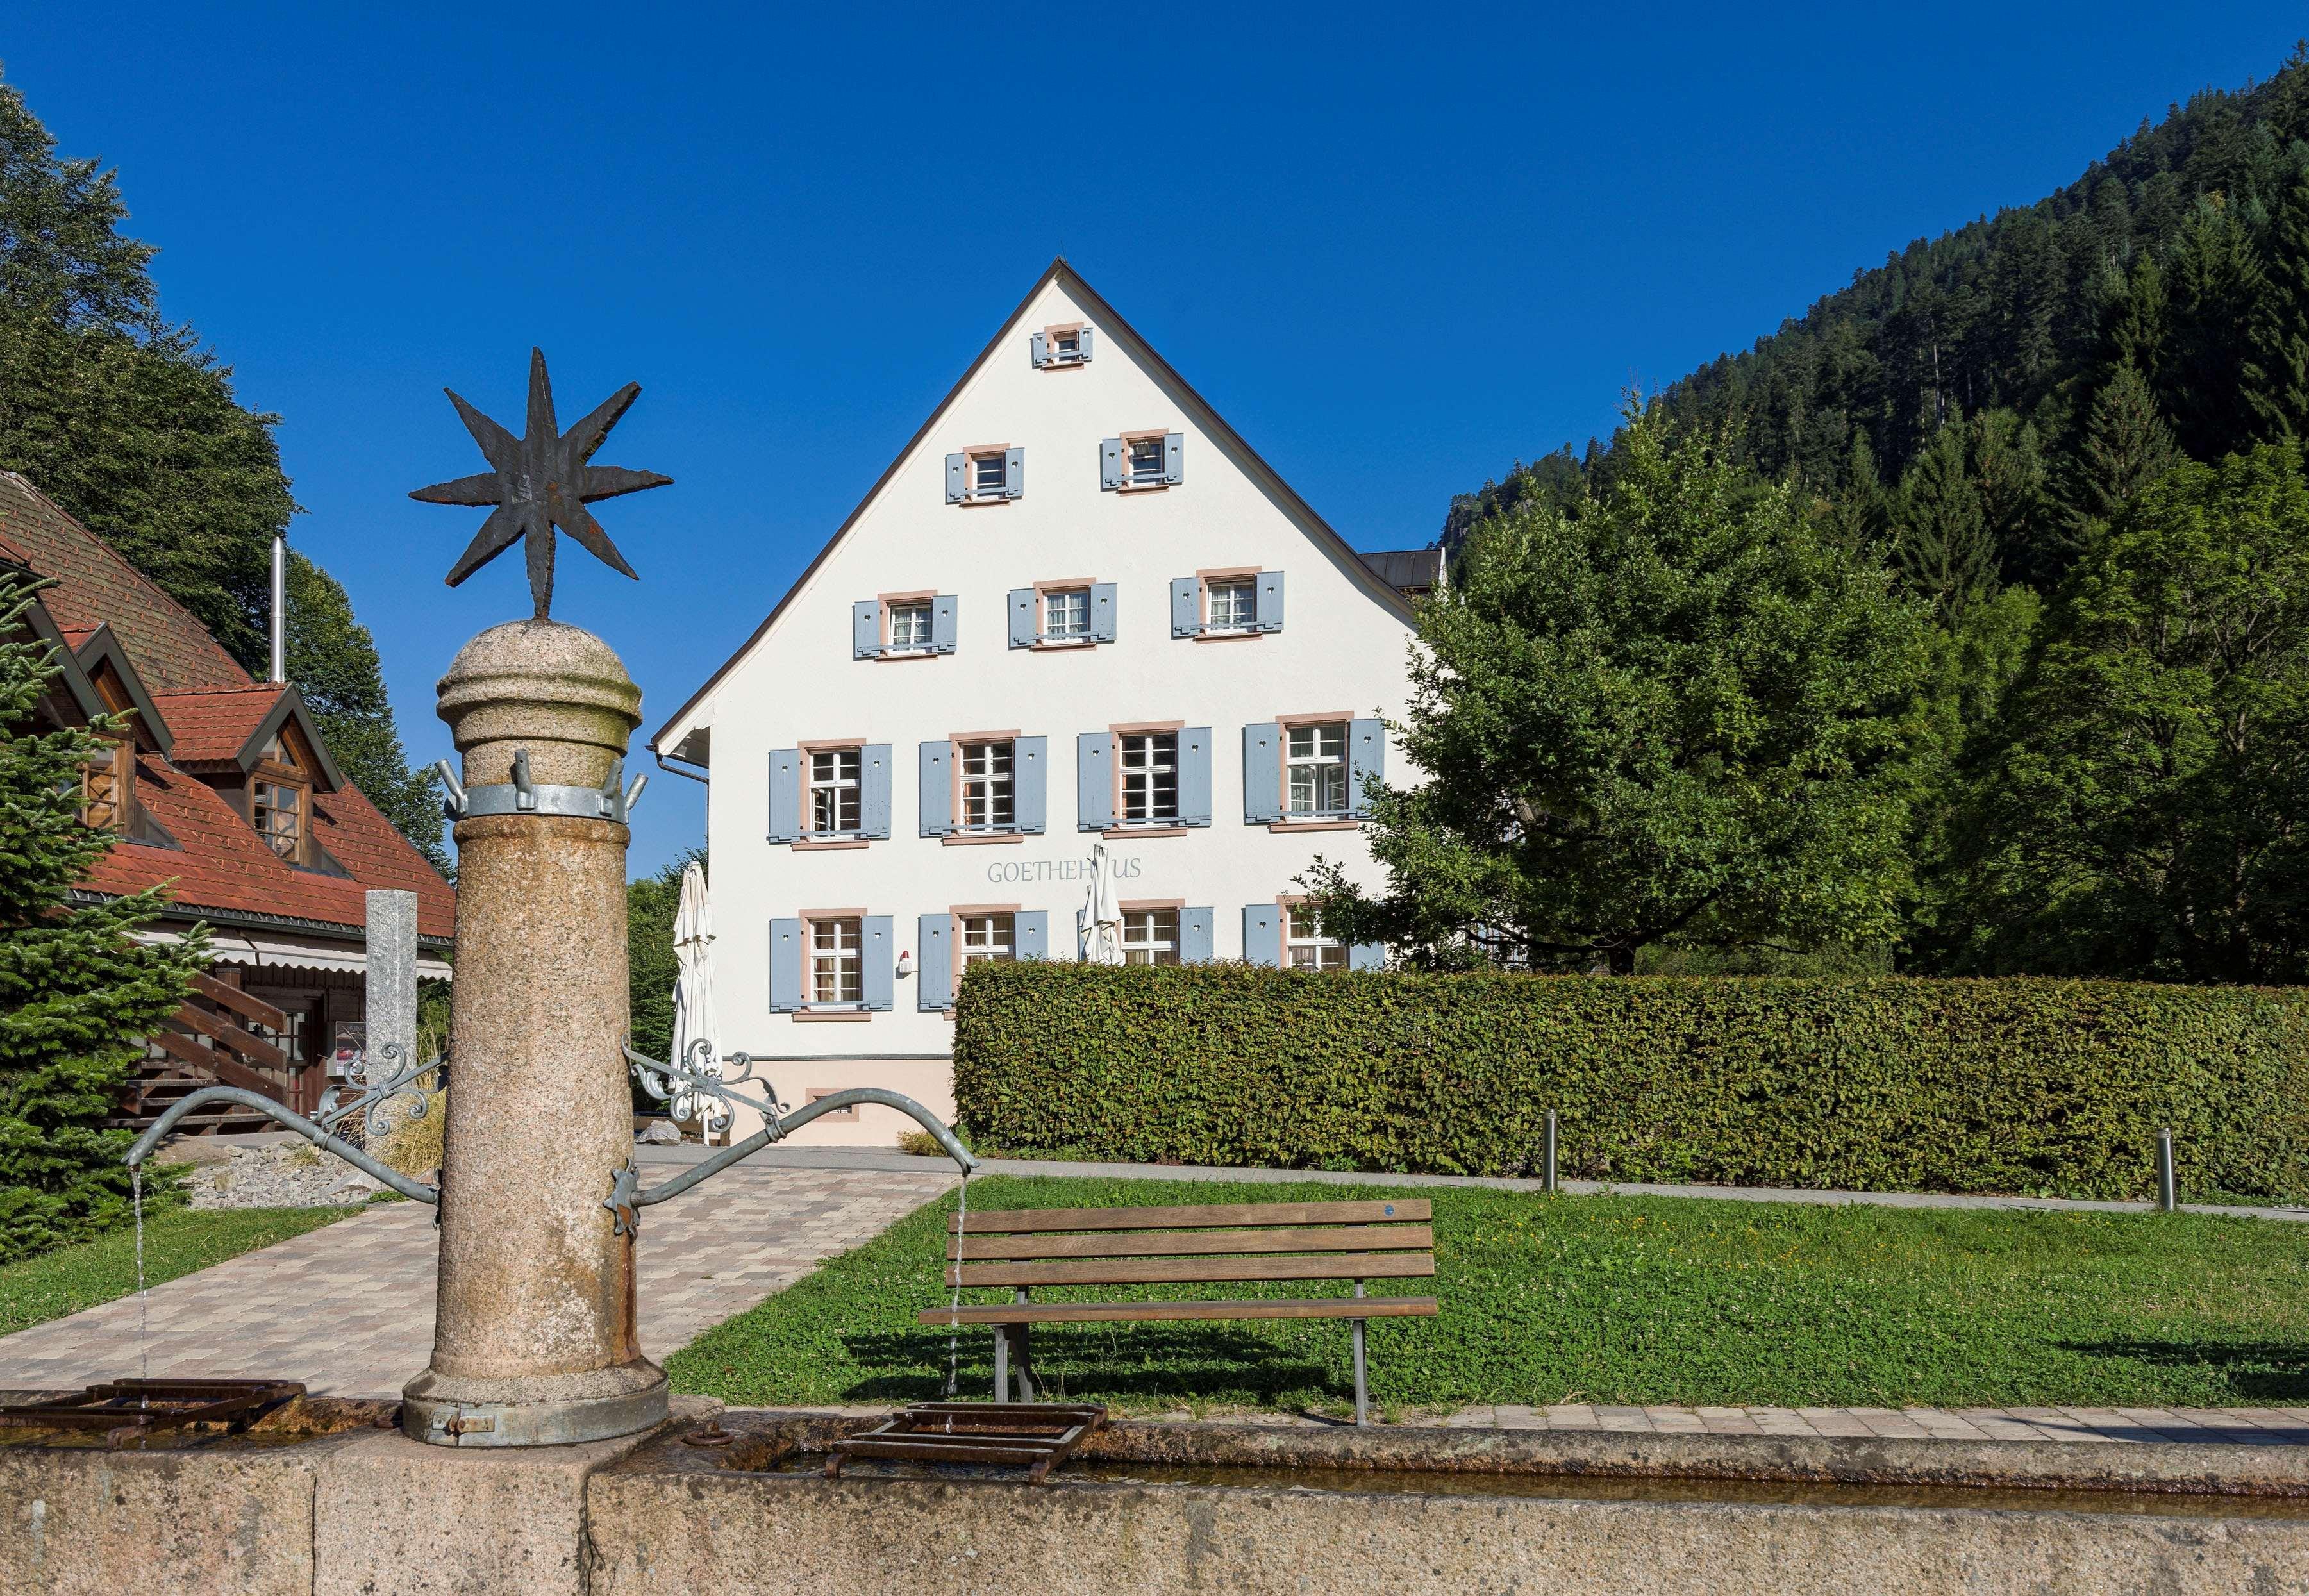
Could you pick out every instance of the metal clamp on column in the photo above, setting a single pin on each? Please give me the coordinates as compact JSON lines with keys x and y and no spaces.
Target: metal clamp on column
{"x":612,"y":801}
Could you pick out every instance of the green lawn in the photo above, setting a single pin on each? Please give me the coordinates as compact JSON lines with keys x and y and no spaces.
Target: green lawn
{"x":177,"y":1241}
{"x":1610,"y":1299}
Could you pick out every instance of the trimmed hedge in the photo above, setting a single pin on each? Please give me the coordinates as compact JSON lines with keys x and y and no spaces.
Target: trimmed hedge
{"x":2025,"y":1086}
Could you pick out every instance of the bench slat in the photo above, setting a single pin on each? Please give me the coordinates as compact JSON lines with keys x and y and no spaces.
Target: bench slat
{"x":1269,"y":1307}
{"x":1148,"y":1272}
{"x":1015,"y":1220}
{"x":1152,"y":1243}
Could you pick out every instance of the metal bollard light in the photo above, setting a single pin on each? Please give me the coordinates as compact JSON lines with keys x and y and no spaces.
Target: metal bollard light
{"x":1547,"y":1153}
{"x":2167,"y":1196}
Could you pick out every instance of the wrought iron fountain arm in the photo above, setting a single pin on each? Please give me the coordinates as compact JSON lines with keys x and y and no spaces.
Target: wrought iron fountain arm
{"x":777,"y":1123}
{"x":290,"y":1119}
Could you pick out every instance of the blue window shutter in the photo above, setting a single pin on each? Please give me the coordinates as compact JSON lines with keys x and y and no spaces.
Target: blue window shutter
{"x":1195,"y":776}
{"x":942,"y":623}
{"x":1093,"y":780}
{"x":785,"y":966}
{"x":1262,"y":773}
{"x":1084,"y":355}
{"x":1039,"y":346}
{"x":879,"y":959}
{"x":935,"y":805}
{"x":1109,"y":465}
{"x":874,"y":790}
{"x":1262,"y":934}
{"x":1022,"y":617}
{"x":1034,"y":930}
{"x":1174,"y":457}
{"x":934,"y":963}
{"x":865,"y":628}
{"x":1195,"y":945}
{"x":1014,"y":474}
{"x":1366,"y":757}
{"x":1270,"y":601}
{"x":1030,"y":782}
{"x":1101,"y":612}
{"x":1185,"y":607}
{"x":785,"y":795}
{"x":1367,"y":955}
{"x":957,"y":479}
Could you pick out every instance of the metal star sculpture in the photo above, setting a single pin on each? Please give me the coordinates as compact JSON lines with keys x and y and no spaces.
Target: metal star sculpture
{"x":540,"y":481}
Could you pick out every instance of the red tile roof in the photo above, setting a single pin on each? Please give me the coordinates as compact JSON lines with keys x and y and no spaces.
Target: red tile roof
{"x":173,"y":651}
{"x":212,"y":728}
{"x":219,"y":862}
{"x":212,"y":706}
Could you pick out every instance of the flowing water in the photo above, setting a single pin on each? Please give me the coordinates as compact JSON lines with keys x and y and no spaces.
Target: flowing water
{"x":954,"y":1311}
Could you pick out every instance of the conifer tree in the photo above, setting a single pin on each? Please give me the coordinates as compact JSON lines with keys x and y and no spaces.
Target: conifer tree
{"x":2125,"y":447}
{"x":76,"y":992}
{"x":1941,"y":544}
{"x":2216,"y":280}
{"x":2277,"y":362}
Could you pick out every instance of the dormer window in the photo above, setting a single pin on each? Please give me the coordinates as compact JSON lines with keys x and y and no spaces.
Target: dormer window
{"x":109,"y":788}
{"x":281,"y":800}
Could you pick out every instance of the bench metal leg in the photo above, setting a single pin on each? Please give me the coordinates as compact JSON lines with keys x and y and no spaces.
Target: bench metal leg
{"x":1362,"y":1394}
{"x":1027,"y":1381}
{"x":1001,"y":1363}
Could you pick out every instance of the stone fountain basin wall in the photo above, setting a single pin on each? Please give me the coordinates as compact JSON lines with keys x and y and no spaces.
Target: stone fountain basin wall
{"x":1214,"y":1507}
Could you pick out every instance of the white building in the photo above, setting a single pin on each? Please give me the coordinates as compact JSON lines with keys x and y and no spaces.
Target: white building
{"x":1076,"y":609}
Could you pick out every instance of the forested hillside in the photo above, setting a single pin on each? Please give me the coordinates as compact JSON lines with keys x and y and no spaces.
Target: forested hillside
{"x":2072,"y":435}
{"x":130,"y":423}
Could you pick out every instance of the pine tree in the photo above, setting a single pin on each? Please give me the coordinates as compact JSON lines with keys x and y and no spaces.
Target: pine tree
{"x":2125,"y":447}
{"x":76,"y":992}
{"x":2277,"y":364}
{"x":2216,"y":279}
{"x":1942,"y":543}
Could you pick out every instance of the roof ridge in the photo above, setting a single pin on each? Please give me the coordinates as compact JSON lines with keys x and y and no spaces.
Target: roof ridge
{"x":123,"y":561}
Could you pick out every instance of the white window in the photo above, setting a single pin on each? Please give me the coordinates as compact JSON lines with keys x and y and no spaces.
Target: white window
{"x":1308,"y":947}
{"x":1316,"y":761}
{"x":836,"y":975}
{"x":909,"y":626}
{"x":1150,"y":775}
{"x":1234,"y":605}
{"x":833,"y":792}
{"x":1146,"y":461}
{"x":988,"y":794}
{"x":1067,"y":345}
{"x":987,"y":479}
{"x":1150,"y":936}
{"x":1065,"y":615}
{"x":989,"y":936}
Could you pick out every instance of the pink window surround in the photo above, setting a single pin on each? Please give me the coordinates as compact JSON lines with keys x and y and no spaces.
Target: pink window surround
{"x":954,"y":914}
{"x":1051,"y":342}
{"x":954,"y":743}
{"x":807,"y":843}
{"x":927,"y":596}
{"x":809,"y":917}
{"x":1140,"y":436}
{"x":972,"y":454}
{"x":1203,"y":580}
{"x":1284,"y":906}
{"x":1283,"y":725}
{"x":1115,"y":734}
{"x":1060,"y":584}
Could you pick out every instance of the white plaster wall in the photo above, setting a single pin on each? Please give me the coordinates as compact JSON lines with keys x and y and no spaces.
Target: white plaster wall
{"x":1341,"y":649}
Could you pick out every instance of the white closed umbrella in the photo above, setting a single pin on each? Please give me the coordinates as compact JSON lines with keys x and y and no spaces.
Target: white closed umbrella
{"x":1099,"y":918}
{"x":693,"y":1002}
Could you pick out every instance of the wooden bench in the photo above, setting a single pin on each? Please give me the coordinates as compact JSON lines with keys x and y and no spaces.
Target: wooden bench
{"x":1027,"y":1247}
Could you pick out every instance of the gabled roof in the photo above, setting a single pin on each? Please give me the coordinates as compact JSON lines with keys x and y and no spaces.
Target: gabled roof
{"x":173,"y":651}
{"x":1058,"y":271}
{"x":93,"y":649}
{"x":232,"y":725}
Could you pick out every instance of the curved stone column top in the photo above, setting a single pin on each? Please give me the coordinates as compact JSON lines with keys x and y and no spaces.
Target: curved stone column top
{"x":556,"y":690}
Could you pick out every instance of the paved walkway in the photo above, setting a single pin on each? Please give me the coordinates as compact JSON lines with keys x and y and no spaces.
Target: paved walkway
{"x":348,"y":1308}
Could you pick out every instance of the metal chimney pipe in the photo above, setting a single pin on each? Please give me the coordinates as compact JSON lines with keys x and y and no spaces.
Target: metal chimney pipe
{"x":279,"y":606}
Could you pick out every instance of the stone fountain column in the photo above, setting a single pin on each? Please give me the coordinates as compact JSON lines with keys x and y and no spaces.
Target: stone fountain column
{"x":534,"y":1342}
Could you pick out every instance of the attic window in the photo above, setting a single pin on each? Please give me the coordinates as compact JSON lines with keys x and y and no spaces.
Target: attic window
{"x":109,"y":788}
{"x":1055,"y":347}
{"x":277,"y":809}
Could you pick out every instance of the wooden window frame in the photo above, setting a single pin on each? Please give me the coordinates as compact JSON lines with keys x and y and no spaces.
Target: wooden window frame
{"x":955,"y":742}
{"x":293,"y":775}
{"x":120,"y":766}
{"x":811,"y":839}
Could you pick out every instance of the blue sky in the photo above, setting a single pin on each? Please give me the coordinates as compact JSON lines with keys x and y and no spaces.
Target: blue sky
{"x":1399,"y":249}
